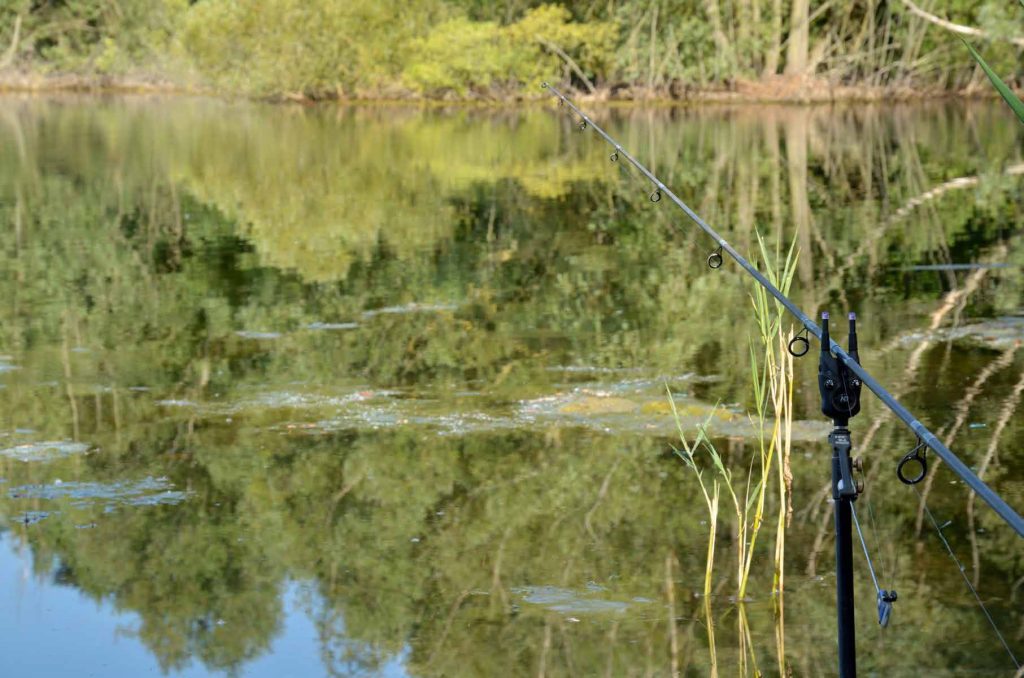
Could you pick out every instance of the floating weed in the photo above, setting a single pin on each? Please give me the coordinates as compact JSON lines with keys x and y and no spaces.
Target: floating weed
{"x":252,"y":334}
{"x":413,"y":307}
{"x":571,"y":601}
{"x":31,"y":517}
{"x":44,"y":451}
{"x":83,"y":495}
{"x":332,"y":326}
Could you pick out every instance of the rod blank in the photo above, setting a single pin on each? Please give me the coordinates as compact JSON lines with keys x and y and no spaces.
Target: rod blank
{"x":1004,"y":510}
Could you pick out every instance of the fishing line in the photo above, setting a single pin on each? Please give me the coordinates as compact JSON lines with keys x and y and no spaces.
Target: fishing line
{"x":1004,"y":510}
{"x":967,"y":580}
{"x":884,"y":597}
{"x":878,"y":543}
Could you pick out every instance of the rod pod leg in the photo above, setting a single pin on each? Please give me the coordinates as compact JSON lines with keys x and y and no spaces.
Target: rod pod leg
{"x":843,"y":494}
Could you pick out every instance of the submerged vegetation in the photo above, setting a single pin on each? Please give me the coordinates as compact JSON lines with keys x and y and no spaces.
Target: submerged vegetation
{"x":470,"y":49}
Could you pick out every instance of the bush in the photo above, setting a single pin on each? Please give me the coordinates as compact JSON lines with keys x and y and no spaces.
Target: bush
{"x":461,"y":56}
{"x":90,"y":35}
{"x":314,"y":47}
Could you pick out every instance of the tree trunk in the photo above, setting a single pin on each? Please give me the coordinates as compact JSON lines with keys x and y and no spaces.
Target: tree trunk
{"x":721,"y":41}
{"x":799,"y":38}
{"x":8,"y":58}
{"x":771,"y":57}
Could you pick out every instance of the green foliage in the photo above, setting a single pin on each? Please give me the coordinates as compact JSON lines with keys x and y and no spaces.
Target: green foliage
{"x":467,"y":48}
{"x":463,"y":56}
{"x":111,"y":36}
{"x":313,"y":47}
{"x":460,"y":55}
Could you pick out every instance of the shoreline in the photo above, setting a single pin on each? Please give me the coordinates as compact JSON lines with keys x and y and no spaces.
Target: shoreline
{"x":778,"y":90}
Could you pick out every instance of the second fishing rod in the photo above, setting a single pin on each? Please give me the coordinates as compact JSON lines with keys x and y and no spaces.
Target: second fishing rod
{"x":849,"y":363}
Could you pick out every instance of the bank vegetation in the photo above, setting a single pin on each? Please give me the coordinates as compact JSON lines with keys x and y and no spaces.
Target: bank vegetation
{"x":476,"y":50}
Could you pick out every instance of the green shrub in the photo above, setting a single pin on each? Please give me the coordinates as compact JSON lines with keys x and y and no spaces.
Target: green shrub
{"x":313,"y":47}
{"x":90,"y":35}
{"x":461,"y":56}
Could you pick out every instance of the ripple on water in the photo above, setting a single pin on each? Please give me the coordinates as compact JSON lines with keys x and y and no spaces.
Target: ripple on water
{"x":44,"y":451}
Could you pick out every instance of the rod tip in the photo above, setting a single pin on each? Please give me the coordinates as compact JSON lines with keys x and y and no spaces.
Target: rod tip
{"x":853,"y":316}
{"x":824,"y":315}
{"x":544,"y":85}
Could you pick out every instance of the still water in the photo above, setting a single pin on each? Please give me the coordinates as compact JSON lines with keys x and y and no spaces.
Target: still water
{"x":382,"y":390}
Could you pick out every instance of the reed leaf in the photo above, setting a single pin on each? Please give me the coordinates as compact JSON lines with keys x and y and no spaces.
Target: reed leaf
{"x":1004,"y":90}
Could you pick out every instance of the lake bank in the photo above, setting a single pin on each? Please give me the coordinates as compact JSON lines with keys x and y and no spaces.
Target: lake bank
{"x":778,"y":89}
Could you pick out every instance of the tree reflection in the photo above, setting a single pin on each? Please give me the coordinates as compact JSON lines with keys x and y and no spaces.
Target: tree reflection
{"x":163,"y":266}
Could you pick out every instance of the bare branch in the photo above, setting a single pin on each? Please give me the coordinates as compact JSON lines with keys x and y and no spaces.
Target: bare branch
{"x":959,"y":29}
{"x":555,"y":49}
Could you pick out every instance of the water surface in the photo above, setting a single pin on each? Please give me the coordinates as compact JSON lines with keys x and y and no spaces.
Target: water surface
{"x":334,"y":391}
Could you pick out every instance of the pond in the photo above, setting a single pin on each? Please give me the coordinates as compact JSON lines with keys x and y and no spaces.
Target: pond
{"x":382,"y":390}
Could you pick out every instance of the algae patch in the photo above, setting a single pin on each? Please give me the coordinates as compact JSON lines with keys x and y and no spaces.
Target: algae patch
{"x":59,"y":495}
{"x":571,"y":601}
{"x":44,"y":451}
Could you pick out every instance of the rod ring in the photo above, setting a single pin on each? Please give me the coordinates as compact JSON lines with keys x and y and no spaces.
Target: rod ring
{"x":614,"y":157}
{"x":715,"y":259}
{"x":583,"y":125}
{"x":656,"y":196}
{"x":799,"y":345}
{"x":915,"y":455}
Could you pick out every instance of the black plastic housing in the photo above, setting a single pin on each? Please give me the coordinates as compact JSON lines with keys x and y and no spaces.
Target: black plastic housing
{"x":839,"y":388}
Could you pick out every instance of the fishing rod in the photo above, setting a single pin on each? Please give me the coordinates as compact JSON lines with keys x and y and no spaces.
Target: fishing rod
{"x":848,"y":362}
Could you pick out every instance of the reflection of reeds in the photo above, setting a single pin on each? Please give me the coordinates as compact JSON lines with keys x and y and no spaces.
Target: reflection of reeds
{"x":962,"y":409}
{"x":710,"y":624}
{"x":688,"y":455}
{"x":1006,"y":413}
{"x":746,"y":645}
{"x":780,"y":635}
{"x":672,"y":635}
